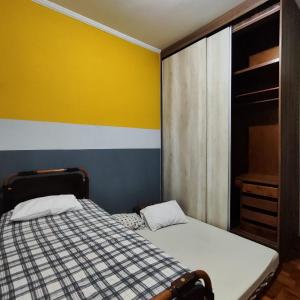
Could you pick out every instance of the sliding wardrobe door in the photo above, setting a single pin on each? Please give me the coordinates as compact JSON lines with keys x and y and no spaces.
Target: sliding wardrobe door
{"x":184,"y":129}
{"x":218,"y":127}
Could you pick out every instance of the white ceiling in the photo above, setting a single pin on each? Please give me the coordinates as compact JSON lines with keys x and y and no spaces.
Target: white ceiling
{"x":158,"y":23}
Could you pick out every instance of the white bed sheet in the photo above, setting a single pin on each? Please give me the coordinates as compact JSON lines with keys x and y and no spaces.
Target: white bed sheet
{"x":236,"y":266}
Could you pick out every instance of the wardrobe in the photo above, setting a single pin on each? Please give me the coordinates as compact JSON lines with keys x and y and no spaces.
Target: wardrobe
{"x":196,"y":91}
{"x":230,"y":126}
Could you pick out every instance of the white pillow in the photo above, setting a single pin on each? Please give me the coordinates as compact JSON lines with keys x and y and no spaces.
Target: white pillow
{"x":44,"y":206}
{"x":163,"y":214}
{"x":132,"y":221}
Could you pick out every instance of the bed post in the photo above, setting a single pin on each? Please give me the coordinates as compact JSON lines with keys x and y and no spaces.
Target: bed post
{"x":186,"y":288}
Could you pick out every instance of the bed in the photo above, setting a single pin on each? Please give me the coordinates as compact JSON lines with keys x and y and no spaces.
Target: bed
{"x":83,"y":254}
{"x":238,"y":268}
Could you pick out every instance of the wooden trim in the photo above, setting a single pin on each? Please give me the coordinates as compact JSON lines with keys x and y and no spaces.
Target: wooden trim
{"x":289,"y":118}
{"x":257,"y":17}
{"x":211,"y":27}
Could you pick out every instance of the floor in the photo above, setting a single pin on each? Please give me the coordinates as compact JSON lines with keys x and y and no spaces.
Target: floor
{"x":287,"y":284}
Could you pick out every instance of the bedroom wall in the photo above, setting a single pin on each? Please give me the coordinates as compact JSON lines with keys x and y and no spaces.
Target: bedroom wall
{"x":72,"y":95}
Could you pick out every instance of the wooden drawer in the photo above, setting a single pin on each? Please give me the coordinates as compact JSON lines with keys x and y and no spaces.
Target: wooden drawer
{"x":267,"y":233}
{"x":267,"y":205}
{"x":258,"y":217}
{"x":260,"y":190}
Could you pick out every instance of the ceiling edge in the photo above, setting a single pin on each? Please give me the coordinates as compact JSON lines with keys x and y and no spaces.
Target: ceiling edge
{"x":96,"y":24}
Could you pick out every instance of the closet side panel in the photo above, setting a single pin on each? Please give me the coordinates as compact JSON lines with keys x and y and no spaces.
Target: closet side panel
{"x":218,"y":127}
{"x":184,"y":129}
{"x":289,"y":242}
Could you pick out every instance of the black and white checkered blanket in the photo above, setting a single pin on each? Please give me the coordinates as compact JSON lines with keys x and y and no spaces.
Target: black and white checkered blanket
{"x":84,"y":254}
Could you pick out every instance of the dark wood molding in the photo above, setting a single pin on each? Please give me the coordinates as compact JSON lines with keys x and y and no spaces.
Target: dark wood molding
{"x":257,"y":17}
{"x":289,"y":115}
{"x":211,"y":27}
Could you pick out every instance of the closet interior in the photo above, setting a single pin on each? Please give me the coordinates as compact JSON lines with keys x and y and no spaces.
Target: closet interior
{"x":255,"y":144}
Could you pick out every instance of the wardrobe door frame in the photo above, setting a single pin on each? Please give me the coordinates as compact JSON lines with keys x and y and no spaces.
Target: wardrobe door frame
{"x":289,"y":203}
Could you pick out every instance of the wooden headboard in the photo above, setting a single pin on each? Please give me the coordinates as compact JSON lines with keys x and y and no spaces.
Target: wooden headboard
{"x":28,"y":185}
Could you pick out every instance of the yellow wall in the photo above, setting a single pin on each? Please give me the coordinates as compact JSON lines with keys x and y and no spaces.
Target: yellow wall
{"x":55,"y":68}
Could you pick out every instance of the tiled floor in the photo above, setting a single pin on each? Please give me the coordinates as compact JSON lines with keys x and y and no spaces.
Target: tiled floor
{"x":287,"y":284}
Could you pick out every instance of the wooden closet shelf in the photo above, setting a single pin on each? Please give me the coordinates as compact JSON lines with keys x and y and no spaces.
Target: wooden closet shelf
{"x":258,"y":102}
{"x":259,"y":178}
{"x":254,"y":93}
{"x":257,"y":67}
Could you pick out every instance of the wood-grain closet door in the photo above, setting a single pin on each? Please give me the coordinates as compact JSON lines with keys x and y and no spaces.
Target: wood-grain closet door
{"x":218,"y":127}
{"x":184,"y":129}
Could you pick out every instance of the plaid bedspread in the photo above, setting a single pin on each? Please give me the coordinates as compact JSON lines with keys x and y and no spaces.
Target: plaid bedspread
{"x":80,"y":255}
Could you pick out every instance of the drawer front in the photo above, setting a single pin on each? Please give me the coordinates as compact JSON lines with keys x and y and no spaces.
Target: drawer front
{"x":259,"y":217}
{"x":260,"y":190}
{"x":267,"y":205}
{"x":268,"y":233}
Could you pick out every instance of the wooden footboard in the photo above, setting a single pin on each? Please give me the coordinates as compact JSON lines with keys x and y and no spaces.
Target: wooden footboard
{"x":188,"y":287}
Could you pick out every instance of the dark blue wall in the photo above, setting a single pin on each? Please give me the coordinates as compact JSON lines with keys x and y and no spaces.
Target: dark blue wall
{"x":119,"y":179}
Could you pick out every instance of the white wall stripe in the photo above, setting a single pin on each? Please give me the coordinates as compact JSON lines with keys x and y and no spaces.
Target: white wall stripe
{"x":96,"y":24}
{"x":32,"y":135}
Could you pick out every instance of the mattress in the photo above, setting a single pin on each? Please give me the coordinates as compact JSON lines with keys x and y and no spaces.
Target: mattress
{"x":236,"y":266}
{"x":83,"y":254}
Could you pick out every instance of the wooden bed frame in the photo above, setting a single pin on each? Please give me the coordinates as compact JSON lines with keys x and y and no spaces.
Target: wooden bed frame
{"x":40,"y":183}
{"x":186,"y":288}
